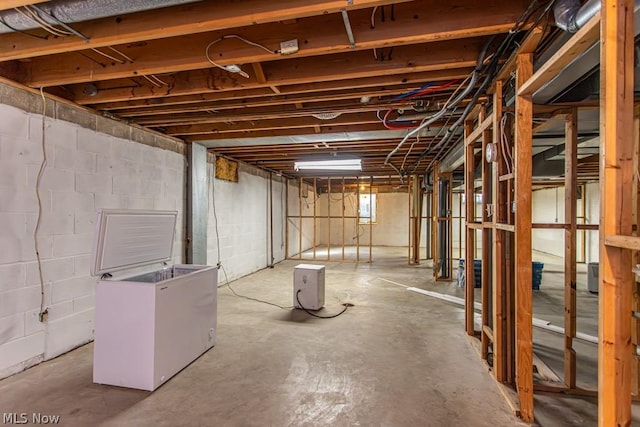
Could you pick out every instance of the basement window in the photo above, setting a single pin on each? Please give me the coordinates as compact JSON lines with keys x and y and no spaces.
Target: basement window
{"x":367,"y":208}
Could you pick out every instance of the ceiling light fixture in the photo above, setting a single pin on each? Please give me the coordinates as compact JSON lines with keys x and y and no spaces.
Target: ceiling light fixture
{"x":333,"y":165}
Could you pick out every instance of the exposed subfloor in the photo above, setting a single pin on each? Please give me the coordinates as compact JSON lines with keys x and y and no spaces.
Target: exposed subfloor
{"x":397,"y":358}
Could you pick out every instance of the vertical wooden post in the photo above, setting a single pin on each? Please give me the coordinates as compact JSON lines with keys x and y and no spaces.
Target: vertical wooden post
{"x":570,"y":214}
{"x":524,"y":303}
{"x":486,"y":235}
{"x":410,"y":210}
{"x":469,"y":160}
{"x":498,"y":167}
{"x":435,"y":195}
{"x":616,"y":172}
{"x":635,"y":322}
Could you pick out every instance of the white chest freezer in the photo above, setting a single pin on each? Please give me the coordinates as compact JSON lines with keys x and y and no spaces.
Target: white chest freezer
{"x":149,"y":325}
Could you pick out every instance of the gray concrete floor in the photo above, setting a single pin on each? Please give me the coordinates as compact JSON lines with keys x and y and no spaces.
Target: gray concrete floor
{"x":394,"y":359}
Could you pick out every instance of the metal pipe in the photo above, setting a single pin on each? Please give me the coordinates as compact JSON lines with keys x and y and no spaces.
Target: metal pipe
{"x":71,"y":11}
{"x":570,"y":15}
{"x":347,"y":27}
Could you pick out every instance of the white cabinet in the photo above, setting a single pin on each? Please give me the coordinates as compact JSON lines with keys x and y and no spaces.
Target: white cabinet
{"x":151,"y":325}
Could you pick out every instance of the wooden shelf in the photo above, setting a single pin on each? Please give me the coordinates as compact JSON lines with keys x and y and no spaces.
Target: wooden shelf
{"x":626,"y":242}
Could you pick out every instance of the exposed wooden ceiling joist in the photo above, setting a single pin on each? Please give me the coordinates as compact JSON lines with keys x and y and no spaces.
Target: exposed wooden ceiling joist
{"x":174,"y":21}
{"x":248,"y":95}
{"x":424,"y":22}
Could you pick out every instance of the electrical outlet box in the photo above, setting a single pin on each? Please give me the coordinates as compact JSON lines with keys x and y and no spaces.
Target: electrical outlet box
{"x":289,"y":47}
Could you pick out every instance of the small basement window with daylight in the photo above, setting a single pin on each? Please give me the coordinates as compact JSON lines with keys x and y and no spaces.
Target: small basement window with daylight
{"x":367,"y":208}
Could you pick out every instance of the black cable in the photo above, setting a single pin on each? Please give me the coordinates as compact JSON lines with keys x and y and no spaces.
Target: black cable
{"x":3,"y":22}
{"x":346,"y":306}
{"x":228,"y":285}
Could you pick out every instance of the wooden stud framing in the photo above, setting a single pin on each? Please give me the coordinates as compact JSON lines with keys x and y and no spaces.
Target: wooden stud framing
{"x":616,"y":172}
{"x":469,"y":167}
{"x":371,"y":219}
{"x":484,"y":127}
{"x":570,"y":214}
{"x":499,"y":196}
{"x":523,"y":196}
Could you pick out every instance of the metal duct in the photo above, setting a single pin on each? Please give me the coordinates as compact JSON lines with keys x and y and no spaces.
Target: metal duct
{"x":70,"y":11}
{"x":570,"y":15}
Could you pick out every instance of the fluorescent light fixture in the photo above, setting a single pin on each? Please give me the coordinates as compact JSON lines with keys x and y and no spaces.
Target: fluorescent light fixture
{"x":331,"y":165}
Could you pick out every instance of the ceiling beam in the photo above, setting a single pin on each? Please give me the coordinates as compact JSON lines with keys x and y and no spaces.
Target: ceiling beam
{"x":367,"y":83}
{"x":251,"y":127}
{"x":290,"y":132}
{"x":174,"y":21}
{"x":319,"y":35}
{"x":339,"y":95}
{"x":438,"y":56}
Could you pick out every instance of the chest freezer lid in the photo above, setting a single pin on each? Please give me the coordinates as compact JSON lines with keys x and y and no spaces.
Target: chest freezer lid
{"x":131,"y":238}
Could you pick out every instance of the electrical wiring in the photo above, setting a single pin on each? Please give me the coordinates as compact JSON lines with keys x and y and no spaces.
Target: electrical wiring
{"x":3,"y":22}
{"x":404,"y":160}
{"x":346,"y":306}
{"x":153,"y":82}
{"x":211,"y":185}
{"x":504,"y":144}
{"x":373,"y":18}
{"x":35,"y":17}
{"x":235,"y":68}
{"x":106,"y":55}
{"x":42,"y":316}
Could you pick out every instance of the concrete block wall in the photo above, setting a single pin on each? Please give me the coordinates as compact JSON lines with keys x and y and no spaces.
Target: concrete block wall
{"x":86,"y":170}
{"x":243,"y":221}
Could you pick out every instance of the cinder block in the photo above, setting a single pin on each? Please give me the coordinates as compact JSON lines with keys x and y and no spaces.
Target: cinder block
{"x":12,"y":276}
{"x":174,"y":160}
{"x":93,"y":183}
{"x":109,"y":201}
{"x":55,"y":180}
{"x":20,"y":350}
{"x":81,"y":265}
{"x":93,"y":142}
{"x":151,"y":188}
{"x":11,"y":250}
{"x":86,"y":302}
{"x":45,"y":248}
{"x":84,"y":161}
{"x":152,"y":173}
{"x":128,"y":150}
{"x":32,"y":322}
{"x":52,"y":270}
{"x":13,"y":174}
{"x":72,"y":244}
{"x":69,"y":289}
{"x":112,"y":127}
{"x":139,"y":202}
{"x":152,"y":155}
{"x":52,"y":223}
{"x":11,"y":328}
{"x":85,"y":222}
{"x":17,"y":121}
{"x":68,"y":333}
{"x":21,"y":151}
{"x":72,"y":202}
{"x":162,"y":203}
{"x":77,"y":115}
{"x":125,"y":185}
{"x":13,"y":225}
{"x":63,"y":158}
{"x":20,"y":300}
